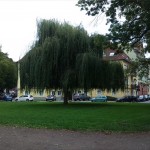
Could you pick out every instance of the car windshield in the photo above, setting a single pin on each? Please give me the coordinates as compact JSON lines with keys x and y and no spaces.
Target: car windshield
{"x":100,"y":97}
{"x":103,"y":97}
{"x":24,"y":96}
{"x":141,"y":96}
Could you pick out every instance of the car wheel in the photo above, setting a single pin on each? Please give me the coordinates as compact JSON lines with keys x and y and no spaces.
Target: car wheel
{"x":27,"y":100}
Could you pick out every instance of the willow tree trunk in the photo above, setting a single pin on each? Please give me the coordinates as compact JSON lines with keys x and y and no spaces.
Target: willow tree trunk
{"x":65,"y":97}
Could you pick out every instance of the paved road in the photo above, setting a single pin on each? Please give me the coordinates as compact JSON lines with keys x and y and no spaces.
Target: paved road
{"x":12,"y":138}
{"x":146,"y":102}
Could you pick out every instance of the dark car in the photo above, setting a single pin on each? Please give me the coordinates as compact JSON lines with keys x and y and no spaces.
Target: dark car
{"x":1,"y":97}
{"x":7,"y":98}
{"x":81,"y":97}
{"x":51,"y":98}
{"x":146,"y":97}
{"x":127,"y":99}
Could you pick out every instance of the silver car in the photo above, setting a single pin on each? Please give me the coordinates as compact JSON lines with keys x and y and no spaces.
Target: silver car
{"x":24,"y":98}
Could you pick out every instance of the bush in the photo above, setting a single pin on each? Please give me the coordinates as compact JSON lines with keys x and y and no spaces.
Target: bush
{"x":110,"y":98}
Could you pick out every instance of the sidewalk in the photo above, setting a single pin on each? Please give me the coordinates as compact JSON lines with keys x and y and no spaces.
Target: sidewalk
{"x":12,"y":138}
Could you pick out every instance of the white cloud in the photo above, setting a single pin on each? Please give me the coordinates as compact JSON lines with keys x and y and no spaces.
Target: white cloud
{"x":18,"y":21}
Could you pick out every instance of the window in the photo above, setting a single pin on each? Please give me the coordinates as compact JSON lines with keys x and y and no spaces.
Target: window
{"x":26,"y":92}
{"x":53,"y":92}
{"x":111,"y":54}
{"x":41,"y":92}
{"x":59,"y":92}
{"x":99,"y":92}
{"x":113,"y":92}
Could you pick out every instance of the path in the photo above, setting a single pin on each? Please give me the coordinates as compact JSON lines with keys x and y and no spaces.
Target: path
{"x":12,"y":138}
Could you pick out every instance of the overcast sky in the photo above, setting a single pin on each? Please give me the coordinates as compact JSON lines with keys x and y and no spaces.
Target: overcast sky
{"x":18,"y":21}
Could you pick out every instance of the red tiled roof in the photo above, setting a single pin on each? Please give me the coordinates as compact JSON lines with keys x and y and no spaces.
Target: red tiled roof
{"x":116,"y":56}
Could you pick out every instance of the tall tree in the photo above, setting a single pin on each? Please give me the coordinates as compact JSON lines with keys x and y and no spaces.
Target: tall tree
{"x":61,"y":58}
{"x":8,"y":72}
{"x":130,"y":19}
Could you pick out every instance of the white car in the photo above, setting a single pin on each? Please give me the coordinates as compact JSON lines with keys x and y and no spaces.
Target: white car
{"x":141,"y":98}
{"x":25,"y":98}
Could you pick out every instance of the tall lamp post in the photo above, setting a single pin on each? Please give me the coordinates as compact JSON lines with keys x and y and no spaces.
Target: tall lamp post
{"x":18,"y":81}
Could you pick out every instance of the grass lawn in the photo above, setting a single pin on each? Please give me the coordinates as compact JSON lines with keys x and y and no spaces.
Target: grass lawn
{"x":124,"y":117}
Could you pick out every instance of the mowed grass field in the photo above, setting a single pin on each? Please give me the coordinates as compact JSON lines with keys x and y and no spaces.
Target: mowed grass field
{"x":105,"y":117}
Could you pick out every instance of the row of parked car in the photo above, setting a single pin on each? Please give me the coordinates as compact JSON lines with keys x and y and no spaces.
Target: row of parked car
{"x":80,"y":97}
{"x":101,"y":98}
{"x":85,"y":97}
{"x":9,"y":97}
{"x":140,"y":98}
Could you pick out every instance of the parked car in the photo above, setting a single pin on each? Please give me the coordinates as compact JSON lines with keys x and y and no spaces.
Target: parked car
{"x":7,"y":97}
{"x":111,"y":98}
{"x":146,"y":97}
{"x":100,"y":98}
{"x":141,"y":98}
{"x":51,"y":98}
{"x":25,"y":98}
{"x":81,"y":97}
{"x":127,"y":99}
{"x":1,"y":96}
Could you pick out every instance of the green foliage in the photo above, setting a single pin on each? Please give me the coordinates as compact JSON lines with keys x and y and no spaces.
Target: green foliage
{"x":64,"y":58}
{"x":8,"y":72}
{"x":98,"y":43}
{"x":143,"y":67}
{"x":111,"y":98}
{"x":104,"y":74}
{"x":130,"y":19}
{"x":139,"y":67}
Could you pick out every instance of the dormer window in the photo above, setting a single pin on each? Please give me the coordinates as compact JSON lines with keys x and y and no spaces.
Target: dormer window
{"x":111,"y":54}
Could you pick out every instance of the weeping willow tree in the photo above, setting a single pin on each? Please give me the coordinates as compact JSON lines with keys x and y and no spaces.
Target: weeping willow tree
{"x":97,"y":73}
{"x":61,"y":58}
